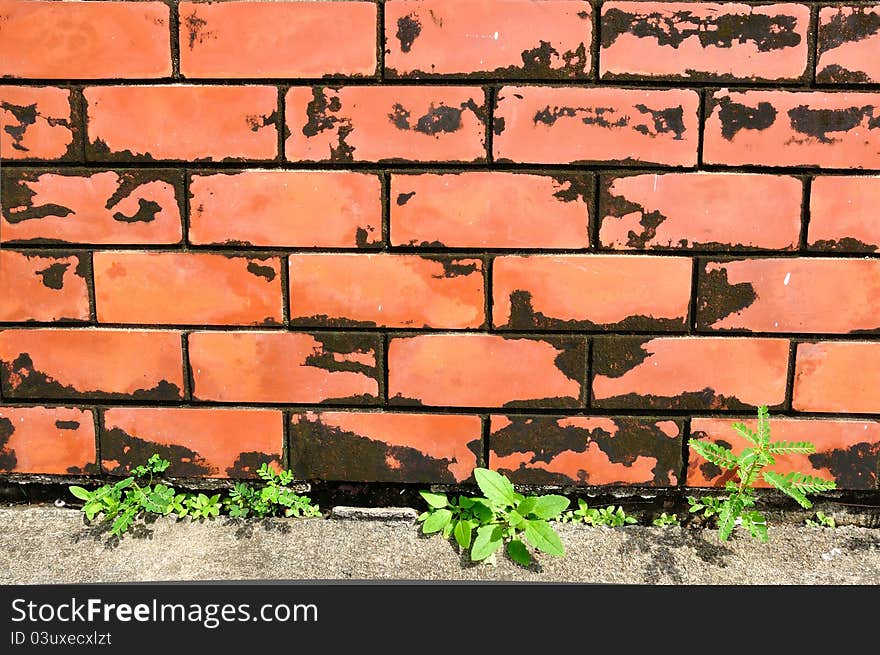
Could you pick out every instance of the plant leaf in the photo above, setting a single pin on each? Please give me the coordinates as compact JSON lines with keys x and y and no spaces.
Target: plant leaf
{"x":462,"y":534}
{"x":526,"y":506}
{"x":437,"y":521}
{"x":746,"y":433}
{"x":437,"y":501}
{"x":518,"y":552}
{"x":489,"y":539}
{"x":730,"y":511}
{"x":763,"y":425}
{"x":79,"y":492}
{"x":712,"y":452}
{"x":549,"y":507}
{"x":497,"y":488}
{"x":788,"y":447}
{"x":543,"y":537}
{"x":784,"y":484}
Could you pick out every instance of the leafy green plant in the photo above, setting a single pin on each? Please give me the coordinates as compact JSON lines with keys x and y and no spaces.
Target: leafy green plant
{"x":611,"y":516}
{"x":822,"y":520}
{"x":734,"y":508}
{"x":665,"y":520}
{"x":201,"y":506}
{"x":274,"y":498}
{"x":501,"y":516}
{"x":709,"y":505}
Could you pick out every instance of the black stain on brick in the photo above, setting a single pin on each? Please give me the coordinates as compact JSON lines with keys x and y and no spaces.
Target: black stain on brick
{"x":403,"y":198}
{"x":146,"y":213}
{"x":541,"y":61}
{"x":498,"y":126}
{"x":266,"y":272}
{"x":67,"y":425}
{"x":452,"y":266}
{"x":705,"y":399}
{"x":837,"y":74}
{"x":817,"y":123}
{"x":848,"y":24}
{"x":663,"y":121}
{"x":767,"y":33}
{"x":399,"y":116}
{"x":601,"y":116}
{"x":247,"y":464}
{"x":735,"y":116}
{"x":8,"y":460}
{"x":195,"y":28}
{"x":614,"y":356}
{"x":362,"y":236}
{"x":324,"y":113}
{"x":26,"y":116}
{"x":408,"y":30}
{"x":574,"y":188}
{"x":121,"y":451}
{"x":845,"y":244}
{"x":334,"y":346}
{"x":613,"y":207}
{"x":439,"y":119}
{"x":856,"y":467}
{"x":718,"y":298}
{"x":323,"y":320}
{"x":321,"y":451}
{"x":53,"y":275}
{"x":18,"y":199}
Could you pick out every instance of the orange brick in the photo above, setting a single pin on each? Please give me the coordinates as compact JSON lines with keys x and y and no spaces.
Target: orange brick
{"x":848,"y":41}
{"x":181,"y":122}
{"x":199,"y":442}
{"x":84,"y":40}
{"x":385,"y":446}
{"x":590,"y":292}
{"x":843,"y":213}
{"x":287,"y":208}
{"x":89,"y":363}
{"x":78,"y":206}
{"x":485,"y":370}
{"x":277,"y":39}
{"x":498,"y":38}
{"x":837,"y":376}
{"x":186,"y":288}
{"x":386,"y":123}
{"x":560,"y":125}
{"x":284,"y":367}
{"x":491,"y":210}
{"x":43,"y":287}
{"x":386,"y":290}
{"x":38,"y":123}
{"x":47,"y":440}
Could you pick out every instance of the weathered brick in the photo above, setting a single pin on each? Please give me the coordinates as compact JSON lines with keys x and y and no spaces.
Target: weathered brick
{"x":688,"y":372}
{"x":385,"y":446}
{"x":48,"y":440}
{"x":81,"y":206}
{"x":84,"y":40}
{"x":558,"y":125}
{"x":491,"y":210}
{"x":386,"y":290}
{"x":325,"y":209}
{"x":499,"y":38}
{"x":38,"y":123}
{"x":704,"y":41}
{"x":707,"y":211}
{"x":486,"y":370}
{"x":181,"y":122}
{"x":284,"y":367}
{"x":837,"y":376}
{"x":846,"y":451}
{"x":592,"y":292}
{"x":793,"y":128}
{"x":199,"y":442}
{"x":849,"y":38}
{"x":43,"y":287}
{"x":277,"y":39}
{"x":187,"y":288}
{"x":386,"y":123}
{"x":789,"y":295}
{"x":89,"y":363}
{"x":583,"y":450}
{"x":843,"y":214}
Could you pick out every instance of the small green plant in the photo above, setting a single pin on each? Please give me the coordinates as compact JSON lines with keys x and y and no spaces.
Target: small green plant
{"x":501,"y":516}
{"x":734,"y":508}
{"x":611,"y":516}
{"x":709,"y":505}
{"x":665,"y":520}
{"x":201,"y":506}
{"x":273,"y":499}
{"x":822,"y":520}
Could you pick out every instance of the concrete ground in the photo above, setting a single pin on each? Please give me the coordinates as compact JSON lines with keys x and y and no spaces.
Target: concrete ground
{"x":40,"y":544}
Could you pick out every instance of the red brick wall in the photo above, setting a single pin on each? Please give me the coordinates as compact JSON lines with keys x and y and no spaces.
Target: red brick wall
{"x":393,"y":241}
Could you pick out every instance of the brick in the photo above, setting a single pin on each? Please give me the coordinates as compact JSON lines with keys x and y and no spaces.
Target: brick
{"x":837,"y":376}
{"x":81,"y":206}
{"x":386,"y":123}
{"x":846,"y":451}
{"x":385,"y":446}
{"x":689,"y":372}
{"x":303,"y":209}
{"x":187,"y":288}
{"x":704,"y":41}
{"x":89,"y":363}
{"x":843,"y":214}
{"x":284,"y":367}
{"x":491,"y":210}
{"x":386,"y":290}
{"x":38,"y":123}
{"x":486,"y":370}
{"x":793,"y":128}
{"x":181,"y":122}
{"x":47,"y":440}
{"x":499,"y":38}
{"x":789,"y":295}
{"x":591,"y":292}
{"x":559,"y":125}
{"x":84,"y":40}
{"x":706,"y":211}
{"x":199,"y":442}
{"x":584,"y":450}
{"x":277,"y":39}
{"x":849,"y":38}
{"x":43,"y":287}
